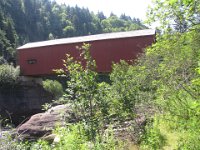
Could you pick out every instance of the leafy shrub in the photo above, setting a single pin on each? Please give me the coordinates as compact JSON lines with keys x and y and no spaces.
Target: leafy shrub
{"x":72,"y":138}
{"x":187,"y":118}
{"x":82,"y":88}
{"x":190,"y":140}
{"x":2,"y":61}
{"x":130,"y":87}
{"x":53,"y":87}
{"x":8,"y":75}
{"x":123,"y":90}
{"x":170,"y":67}
{"x":153,"y":139}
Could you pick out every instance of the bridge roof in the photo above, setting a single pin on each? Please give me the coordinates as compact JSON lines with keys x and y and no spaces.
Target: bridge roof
{"x":89,"y":38}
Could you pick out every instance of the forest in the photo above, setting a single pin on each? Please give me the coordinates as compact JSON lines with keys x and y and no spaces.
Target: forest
{"x":162,"y":85}
{"x":23,"y":21}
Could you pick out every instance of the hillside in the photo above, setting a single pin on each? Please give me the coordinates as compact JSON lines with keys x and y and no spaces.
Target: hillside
{"x":23,"y":21}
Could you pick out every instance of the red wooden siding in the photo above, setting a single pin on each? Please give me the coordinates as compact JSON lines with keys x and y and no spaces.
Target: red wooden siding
{"x":47,"y":58}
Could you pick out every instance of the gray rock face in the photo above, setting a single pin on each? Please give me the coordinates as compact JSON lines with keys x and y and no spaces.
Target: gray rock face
{"x":23,"y":100}
{"x":42,"y":124}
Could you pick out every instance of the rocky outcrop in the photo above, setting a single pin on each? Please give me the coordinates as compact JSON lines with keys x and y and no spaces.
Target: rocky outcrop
{"x":41,"y":125}
{"x":23,"y":100}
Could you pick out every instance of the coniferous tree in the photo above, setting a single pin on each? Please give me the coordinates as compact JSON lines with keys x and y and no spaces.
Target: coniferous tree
{"x":23,"y":21}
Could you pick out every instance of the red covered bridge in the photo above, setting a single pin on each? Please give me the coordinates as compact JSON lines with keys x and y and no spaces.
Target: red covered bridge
{"x":40,"y":58}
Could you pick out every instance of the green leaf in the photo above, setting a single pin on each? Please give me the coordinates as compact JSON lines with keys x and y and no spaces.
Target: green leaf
{"x":172,"y":2}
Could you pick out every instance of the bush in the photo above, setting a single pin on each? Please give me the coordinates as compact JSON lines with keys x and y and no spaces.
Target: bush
{"x":8,"y":75}
{"x":123,"y":90}
{"x":190,"y":140}
{"x":153,"y":139}
{"x":82,"y":89}
{"x":2,"y":61}
{"x":171,"y":65}
{"x":53,"y":87}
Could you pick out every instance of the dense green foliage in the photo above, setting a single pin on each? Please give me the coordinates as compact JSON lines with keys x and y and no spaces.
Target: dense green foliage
{"x":23,"y":21}
{"x":173,"y":63}
{"x":54,"y":87}
{"x":179,"y":15}
{"x":153,"y":138}
{"x":8,"y":75}
{"x":82,"y":88}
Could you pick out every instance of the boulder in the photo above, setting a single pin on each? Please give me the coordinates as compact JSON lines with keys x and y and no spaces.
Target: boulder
{"x":41,"y":125}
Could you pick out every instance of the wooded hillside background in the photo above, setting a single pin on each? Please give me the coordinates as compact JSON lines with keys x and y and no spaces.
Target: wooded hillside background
{"x":23,"y":21}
